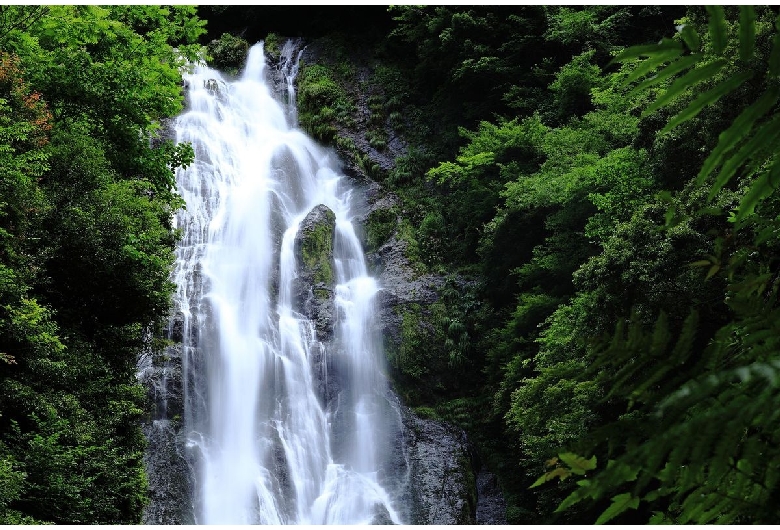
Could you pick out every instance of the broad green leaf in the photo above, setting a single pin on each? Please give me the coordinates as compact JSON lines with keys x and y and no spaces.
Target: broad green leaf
{"x":765,"y":136}
{"x":708,"y":98}
{"x":620,"y":503}
{"x":717,"y":26}
{"x":738,"y":130}
{"x":647,"y":50}
{"x":691,"y":79}
{"x":701,"y":263}
{"x":747,"y":32}
{"x":577,"y":463}
{"x":691,"y":38}
{"x":683,"y":63}
{"x":761,"y":188}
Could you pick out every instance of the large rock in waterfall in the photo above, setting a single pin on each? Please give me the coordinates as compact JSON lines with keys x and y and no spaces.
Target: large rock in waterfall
{"x":314,"y":287}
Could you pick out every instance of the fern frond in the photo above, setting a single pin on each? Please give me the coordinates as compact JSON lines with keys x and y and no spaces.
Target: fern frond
{"x":689,"y":80}
{"x":739,"y":129}
{"x":747,"y":32}
{"x":717,"y":27}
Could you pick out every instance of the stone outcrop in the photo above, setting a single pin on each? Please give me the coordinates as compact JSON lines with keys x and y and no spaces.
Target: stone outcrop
{"x":443,"y":488}
{"x":313,"y":289}
{"x":169,"y":476}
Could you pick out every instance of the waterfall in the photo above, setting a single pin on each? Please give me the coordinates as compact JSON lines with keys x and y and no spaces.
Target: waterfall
{"x":284,"y":425}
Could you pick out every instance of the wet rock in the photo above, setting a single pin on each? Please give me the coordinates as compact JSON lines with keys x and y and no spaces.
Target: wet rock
{"x":443,"y":488}
{"x":314,"y":288}
{"x":491,"y":505}
{"x":170,"y":488}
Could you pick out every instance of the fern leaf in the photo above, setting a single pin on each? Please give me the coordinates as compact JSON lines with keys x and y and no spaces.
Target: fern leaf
{"x":689,"y":80}
{"x":764,"y":137}
{"x":738,"y":130}
{"x":650,"y":64}
{"x":559,"y":472}
{"x":683,"y":63}
{"x":575,"y":497}
{"x":761,"y":188}
{"x":691,"y":38}
{"x":648,"y":50}
{"x":620,"y":503}
{"x":578,"y":464}
{"x":747,"y":32}
{"x":717,"y":27}
{"x":708,"y":98}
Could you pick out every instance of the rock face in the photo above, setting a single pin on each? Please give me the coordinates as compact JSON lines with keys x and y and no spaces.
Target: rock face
{"x":170,"y":483}
{"x":443,"y":489}
{"x":313,"y":289}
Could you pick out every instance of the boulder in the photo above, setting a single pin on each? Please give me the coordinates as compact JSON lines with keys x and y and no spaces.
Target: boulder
{"x":314,"y":288}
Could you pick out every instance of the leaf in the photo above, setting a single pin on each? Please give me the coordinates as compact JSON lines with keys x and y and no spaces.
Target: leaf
{"x":691,"y":79}
{"x":578,"y":464}
{"x":673,"y":69}
{"x":691,"y":38}
{"x":575,"y":497}
{"x":713,"y":270}
{"x":701,"y":263}
{"x":738,"y":130}
{"x":708,"y":98}
{"x":764,"y":137}
{"x":559,"y":472}
{"x":747,"y":32}
{"x":620,"y":503}
{"x":761,"y":188}
{"x":650,"y":64}
{"x":717,"y":27}
{"x":647,"y":50}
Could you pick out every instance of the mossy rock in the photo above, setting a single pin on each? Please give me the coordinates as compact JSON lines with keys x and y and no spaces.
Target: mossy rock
{"x":314,"y":245}
{"x":314,"y":287}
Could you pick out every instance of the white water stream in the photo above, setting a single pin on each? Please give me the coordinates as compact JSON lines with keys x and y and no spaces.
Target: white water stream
{"x":268,"y":446}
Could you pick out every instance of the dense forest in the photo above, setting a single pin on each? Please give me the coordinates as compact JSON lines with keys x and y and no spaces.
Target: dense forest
{"x":596,"y":185}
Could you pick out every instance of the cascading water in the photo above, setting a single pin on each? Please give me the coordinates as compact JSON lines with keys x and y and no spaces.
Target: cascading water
{"x":266,"y":445}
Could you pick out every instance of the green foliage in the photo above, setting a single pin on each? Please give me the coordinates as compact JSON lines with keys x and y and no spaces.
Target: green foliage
{"x":86,"y":245}
{"x":380,"y":225}
{"x":572,"y":86}
{"x":322,"y":101}
{"x":691,"y":388}
{"x":228,"y":53}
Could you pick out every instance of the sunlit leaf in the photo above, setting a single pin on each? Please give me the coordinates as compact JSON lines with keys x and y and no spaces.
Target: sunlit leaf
{"x":559,"y":472}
